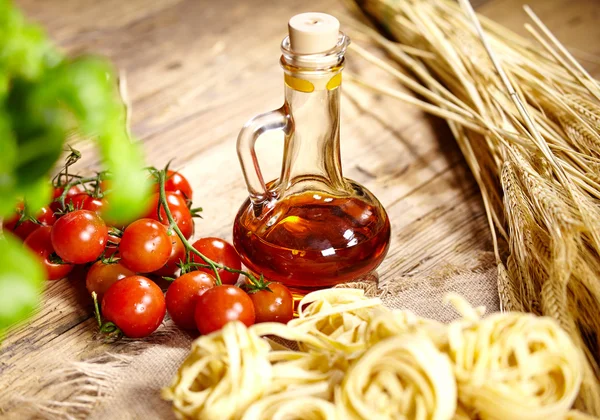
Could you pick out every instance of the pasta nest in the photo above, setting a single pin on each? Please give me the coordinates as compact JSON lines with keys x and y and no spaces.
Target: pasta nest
{"x":360,"y":360}
{"x":400,"y":377}
{"x":514,"y":365}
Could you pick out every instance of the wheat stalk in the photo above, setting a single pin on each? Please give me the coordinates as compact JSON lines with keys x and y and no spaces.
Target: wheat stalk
{"x":527,"y":120}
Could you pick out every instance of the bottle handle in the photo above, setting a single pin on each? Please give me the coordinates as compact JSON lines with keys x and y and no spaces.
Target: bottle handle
{"x":278,"y":119}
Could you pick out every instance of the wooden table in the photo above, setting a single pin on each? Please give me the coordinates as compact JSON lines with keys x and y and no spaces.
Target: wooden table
{"x":196,"y":71}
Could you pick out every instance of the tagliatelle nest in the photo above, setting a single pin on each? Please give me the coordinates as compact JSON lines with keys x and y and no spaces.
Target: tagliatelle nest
{"x":360,"y":360}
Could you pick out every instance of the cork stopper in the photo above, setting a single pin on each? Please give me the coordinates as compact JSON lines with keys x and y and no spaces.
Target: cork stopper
{"x":313,"y":33}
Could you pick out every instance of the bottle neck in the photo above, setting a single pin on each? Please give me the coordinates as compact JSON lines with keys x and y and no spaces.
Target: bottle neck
{"x":312,"y":149}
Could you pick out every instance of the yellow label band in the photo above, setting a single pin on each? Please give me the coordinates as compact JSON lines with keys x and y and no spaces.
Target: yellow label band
{"x":304,"y":85}
{"x":299,"y":84}
{"x":335,"y":81}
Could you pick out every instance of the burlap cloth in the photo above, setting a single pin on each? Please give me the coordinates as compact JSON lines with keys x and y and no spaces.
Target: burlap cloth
{"x":127,"y":385}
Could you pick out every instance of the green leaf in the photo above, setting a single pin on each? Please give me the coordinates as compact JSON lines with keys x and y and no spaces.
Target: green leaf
{"x":129,"y":195}
{"x":37,"y":195}
{"x":8,"y":157}
{"x":21,"y":282}
{"x":26,"y":51}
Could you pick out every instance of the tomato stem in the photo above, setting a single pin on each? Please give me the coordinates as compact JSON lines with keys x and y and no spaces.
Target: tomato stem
{"x":97,"y":309}
{"x":161,"y":175}
{"x":108,"y":328}
{"x":78,"y":181}
{"x":223,"y":267}
{"x":71,"y":159}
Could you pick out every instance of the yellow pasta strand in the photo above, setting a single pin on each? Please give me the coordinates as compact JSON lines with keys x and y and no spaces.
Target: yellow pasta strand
{"x":514,"y":365}
{"x":225,"y":372}
{"x":291,"y":406}
{"x":338,"y":319}
{"x":360,"y":360}
{"x":399,"y":377}
{"x":396,"y":322}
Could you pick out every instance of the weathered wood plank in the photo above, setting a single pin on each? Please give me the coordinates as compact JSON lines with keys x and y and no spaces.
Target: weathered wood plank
{"x":195,"y":78}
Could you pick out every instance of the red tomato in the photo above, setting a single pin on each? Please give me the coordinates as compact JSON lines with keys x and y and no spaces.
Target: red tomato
{"x":221,"y":304}
{"x":79,"y":237}
{"x":101,"y":276}
{"x":74,"y":190}
{"x":134,"y":304}
{"x":177,"y":183}
{"x":170,"y":269}
{"x":274,"y":306}
{"x":85,"y":201}
{"x":145,"y":246}
{"x":183,"y":294}
{"x":39,"y":242}
{"x":45,"y":217}
{"x":179,"y":210}
{"x":221,"y":252}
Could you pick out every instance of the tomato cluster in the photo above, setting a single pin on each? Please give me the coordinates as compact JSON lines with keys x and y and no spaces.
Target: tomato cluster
{"x":123,"y":264}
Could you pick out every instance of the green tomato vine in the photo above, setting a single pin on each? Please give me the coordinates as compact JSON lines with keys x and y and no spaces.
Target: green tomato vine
{"x":161,"y":177}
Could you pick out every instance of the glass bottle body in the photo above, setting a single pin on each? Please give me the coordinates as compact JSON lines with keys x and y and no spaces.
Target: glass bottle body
{"x":313,"y":240}
{"x":311,"y":228}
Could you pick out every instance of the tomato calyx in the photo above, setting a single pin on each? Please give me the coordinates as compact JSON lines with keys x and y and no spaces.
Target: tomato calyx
{"x":55,"y":259}
{"x":116,"y":232}
{"x":110,"y":260}
{"x":195,"y":212}
{"x":24,"y":215}
{"x":108,"y":328}
{"x":257,"y":285}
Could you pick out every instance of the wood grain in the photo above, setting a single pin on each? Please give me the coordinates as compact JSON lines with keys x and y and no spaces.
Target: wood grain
{"x":196,"y":71}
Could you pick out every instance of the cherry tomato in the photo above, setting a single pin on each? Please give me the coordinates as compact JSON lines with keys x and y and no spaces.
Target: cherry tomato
{"x":179,"y":210}
{"x":134,"y":304}
{"x":177,"y":183}
{"x":79,"y":237}
{"x":274,"y":306}
{"x":221,"y":304}
{"x":39,"y":242}
{"x":170,"y":269}
{"x":145,"y":246}
{"x":25,"y":228}
{"x":183,"y":294}
{"x":101,"y":276}
{"x":85,"y":201}
{"x":74,"y":190}
{"x":221,"y":252}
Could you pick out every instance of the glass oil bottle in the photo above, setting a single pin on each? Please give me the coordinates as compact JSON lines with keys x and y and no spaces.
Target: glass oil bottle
{"x":311,"y":228}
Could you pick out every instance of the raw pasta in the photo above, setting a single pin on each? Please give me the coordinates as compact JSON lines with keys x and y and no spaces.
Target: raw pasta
{"x":359,"y":360}
{"x":224,"y":373}
{"x":400,"y":377}
{"x":514,"y":365}
{"x":291,"y":406}
{"x":338,"y":319}
{"x":395,"y":322}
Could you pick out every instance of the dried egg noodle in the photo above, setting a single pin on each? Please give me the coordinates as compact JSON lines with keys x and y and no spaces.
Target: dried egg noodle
{"x":360,"y":360}
{"x":290,"y":406}
{"x":400,"y":377}
{"x":514,"y":365}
